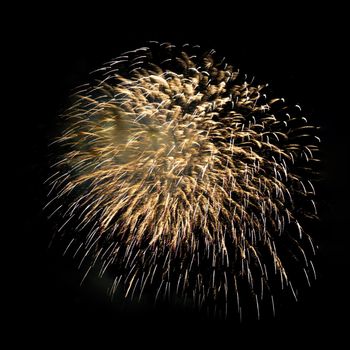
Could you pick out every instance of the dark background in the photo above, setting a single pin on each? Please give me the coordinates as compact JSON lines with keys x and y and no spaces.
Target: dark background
{"x":299,"y":51}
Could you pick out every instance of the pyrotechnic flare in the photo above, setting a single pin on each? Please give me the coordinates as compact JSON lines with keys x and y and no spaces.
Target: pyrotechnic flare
{"x":187,"y":178}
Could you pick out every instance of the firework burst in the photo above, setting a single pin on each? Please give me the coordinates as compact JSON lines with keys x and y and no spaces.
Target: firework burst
{"x":186,"y":179}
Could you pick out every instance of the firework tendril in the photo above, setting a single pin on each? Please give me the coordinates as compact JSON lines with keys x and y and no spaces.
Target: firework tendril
{"x":187,"y":180}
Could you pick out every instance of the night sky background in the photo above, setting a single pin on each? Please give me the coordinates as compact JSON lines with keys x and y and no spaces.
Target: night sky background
{"x":300,"y":52}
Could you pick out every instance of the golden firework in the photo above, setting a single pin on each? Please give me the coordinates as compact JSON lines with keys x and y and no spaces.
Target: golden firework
{"x":186,"y":177}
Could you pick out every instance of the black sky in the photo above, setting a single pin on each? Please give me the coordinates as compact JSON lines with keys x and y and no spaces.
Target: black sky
{"x":300,"y":52}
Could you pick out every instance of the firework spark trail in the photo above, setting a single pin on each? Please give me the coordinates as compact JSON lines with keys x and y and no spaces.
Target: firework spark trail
{"x":187,"y":177}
